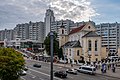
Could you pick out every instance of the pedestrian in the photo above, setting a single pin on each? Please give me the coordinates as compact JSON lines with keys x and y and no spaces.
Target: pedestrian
{"x":108,"y":66}
{"x":71,"y":65}
{"x":113,"y":68}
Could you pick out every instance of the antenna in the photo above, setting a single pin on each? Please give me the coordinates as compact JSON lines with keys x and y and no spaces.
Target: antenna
{"x":49,"y":6}
{"x":89,"y":18}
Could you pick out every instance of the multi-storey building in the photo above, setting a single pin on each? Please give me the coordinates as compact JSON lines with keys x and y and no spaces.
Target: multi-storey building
{"x":49,"y":17}
{"x":22,"y":30}
{"x":6,"y":34}
{"x":55,"y":26}
{"x":110,"y":33}
{"x":30,"y":31}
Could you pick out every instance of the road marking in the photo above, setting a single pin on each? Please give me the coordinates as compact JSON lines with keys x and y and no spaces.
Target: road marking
{"x":44,"y":74}
{"x":46,"y":67}
{"x":59,"y":67}
{"x":41,"y":79}
{"x":22,"y":78}
{"x":32,"y":75}
{"x":70,"y":77}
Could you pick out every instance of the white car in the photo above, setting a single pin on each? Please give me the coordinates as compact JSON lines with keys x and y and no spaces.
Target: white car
{"x":71,"y":71}
{"x":87,"y":69}
{"x":22,"y":72}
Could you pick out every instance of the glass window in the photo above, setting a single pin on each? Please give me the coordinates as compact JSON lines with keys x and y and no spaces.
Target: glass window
{"x":70,"y":53}
{"x":96,"y":45}
{"x":62,"y":31}
{"x":89,"y":45}
{"x":86,"y":68}
{"x":78,"y":53}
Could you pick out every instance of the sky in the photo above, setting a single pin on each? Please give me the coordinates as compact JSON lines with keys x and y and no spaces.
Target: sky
{"x":14,"y":12}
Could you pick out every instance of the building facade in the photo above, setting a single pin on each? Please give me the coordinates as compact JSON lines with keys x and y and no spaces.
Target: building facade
{"x":82,"y":43}
{"x":68,"y":24}
{"x":49,"y":18}
{"x":6,"y":34}
{"x":110,"y":33}
{"x":30,"y":31}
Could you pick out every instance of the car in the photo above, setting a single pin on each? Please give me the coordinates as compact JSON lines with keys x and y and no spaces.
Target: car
{"x":22,"y":72}
{"x":61,"y":74}
{"x":63,"y":61}
{"x":37,"y":65}
{"x":87,"y":69}
{"x":71,"y":71}
{"x":25,"y":68}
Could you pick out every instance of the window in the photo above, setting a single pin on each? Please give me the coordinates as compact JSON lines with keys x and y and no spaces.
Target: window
{"x":70,"y":53}
{"x":78,"y":53}
{"x":62,"y":31}
{"x":86,"y":68}
{"x":96,"y":45}
{"x":89,"y":45}
{"x":89,"y":27}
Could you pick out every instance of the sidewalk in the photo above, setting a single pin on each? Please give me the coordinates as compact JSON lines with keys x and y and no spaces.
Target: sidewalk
{"x":109,"y":73}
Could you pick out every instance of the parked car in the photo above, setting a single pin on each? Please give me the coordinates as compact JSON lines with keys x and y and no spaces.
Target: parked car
{"x":87,"y":69}
{"x":25,"y":68}
{"x":71,"y":71}
{"x":22,"y":72}
{"x":61,"y":74}
{"x":37,"y":65}
{"x":63,"y":61}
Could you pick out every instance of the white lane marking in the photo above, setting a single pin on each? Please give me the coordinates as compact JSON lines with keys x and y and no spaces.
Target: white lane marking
{"x":46,"y":67}
{"x":41,"y":79}
{"x":44,"y":74}
{"x":33,"y":76}
{"x":22,"y":78}
{"x":70,"y":77}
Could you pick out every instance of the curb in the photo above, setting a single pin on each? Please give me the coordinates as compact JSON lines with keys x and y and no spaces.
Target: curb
{"x":108,"y":75}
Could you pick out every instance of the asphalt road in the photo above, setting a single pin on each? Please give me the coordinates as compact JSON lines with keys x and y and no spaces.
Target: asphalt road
{"x":43,"y":73}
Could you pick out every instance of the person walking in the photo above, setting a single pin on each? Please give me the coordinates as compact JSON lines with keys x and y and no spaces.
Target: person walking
{"x":113,"y":68}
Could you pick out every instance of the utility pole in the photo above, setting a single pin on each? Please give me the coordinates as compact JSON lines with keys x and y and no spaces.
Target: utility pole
{"x":51,"y":51}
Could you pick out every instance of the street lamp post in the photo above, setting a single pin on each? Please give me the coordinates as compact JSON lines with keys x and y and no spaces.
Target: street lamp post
{"x":51,"y":48}
{"x":64,"y":56}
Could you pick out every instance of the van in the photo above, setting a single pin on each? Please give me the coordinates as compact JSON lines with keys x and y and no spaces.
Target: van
{"x":87,"y":69}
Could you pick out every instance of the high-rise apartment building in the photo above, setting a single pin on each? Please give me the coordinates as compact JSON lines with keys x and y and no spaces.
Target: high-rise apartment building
{"x":6,"y":34}
{"x":55,"y":26}
{"x":22,"y":30}
{"x":110,"y":33}
{"x":30,"y":31}
{"x":49,"y":17}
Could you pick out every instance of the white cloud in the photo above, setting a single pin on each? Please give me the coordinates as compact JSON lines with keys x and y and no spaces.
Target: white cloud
{"x":77,"y":10}
{"x":20,"y":11}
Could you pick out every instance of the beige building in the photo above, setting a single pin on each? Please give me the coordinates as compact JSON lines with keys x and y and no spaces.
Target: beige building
{"x":82,"y":43}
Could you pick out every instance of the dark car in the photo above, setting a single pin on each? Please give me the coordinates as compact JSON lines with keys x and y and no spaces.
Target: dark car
{"x":61,"y":74}
{"x":71,"y":71}
{"x":37,"y":65}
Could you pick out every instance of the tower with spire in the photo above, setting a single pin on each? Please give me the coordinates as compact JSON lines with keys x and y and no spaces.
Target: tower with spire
{"x":63,"y":37}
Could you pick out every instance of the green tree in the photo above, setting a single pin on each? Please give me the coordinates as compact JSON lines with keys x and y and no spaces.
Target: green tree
{"x":11,"y":62}
{"x":55,"y":44}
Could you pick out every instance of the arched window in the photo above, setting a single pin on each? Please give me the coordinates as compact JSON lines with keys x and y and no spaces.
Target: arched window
{"x":89,"y":45}
{"x":78,"y":53}
{"x":96,"y":45}
{"x":62,"y":31}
